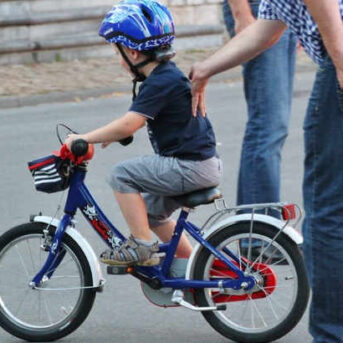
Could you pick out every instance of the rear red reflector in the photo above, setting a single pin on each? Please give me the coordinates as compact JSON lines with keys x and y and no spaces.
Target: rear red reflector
{"x":289,"y":212}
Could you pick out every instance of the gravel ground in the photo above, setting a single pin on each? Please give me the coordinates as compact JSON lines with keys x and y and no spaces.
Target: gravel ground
{"x":33,"y":79}
{"x":43,"y":78}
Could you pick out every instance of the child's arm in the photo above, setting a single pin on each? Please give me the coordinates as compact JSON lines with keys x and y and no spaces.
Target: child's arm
{"x":118,"y":129}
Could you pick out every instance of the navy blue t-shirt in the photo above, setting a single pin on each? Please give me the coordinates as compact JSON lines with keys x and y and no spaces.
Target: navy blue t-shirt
{"x":165,"y":99}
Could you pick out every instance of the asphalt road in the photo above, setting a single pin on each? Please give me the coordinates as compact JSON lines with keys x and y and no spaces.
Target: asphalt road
{"x":121,"y":313}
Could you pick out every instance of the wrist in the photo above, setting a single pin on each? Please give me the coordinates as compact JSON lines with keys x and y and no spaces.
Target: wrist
{"x":205,"y":70}
{"x":85,"y":137}
{"x":199,"y":72}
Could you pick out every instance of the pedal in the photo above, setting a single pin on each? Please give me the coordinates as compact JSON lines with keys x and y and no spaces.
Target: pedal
{"x":117,"y":270}
{"x":177,"y":298}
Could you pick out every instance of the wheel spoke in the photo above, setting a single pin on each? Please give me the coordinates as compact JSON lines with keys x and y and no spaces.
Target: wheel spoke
{"x":257,"y":311}
{"x":47,"y":310}
{"x":52,"y":270}
{"x":64,"y":276}
{"x":269,"y":302}
{"x":252,"y":315}
{"x":273,"y":265}
{"x":239,"y":255}
{"x":244,"y":311}
{"x":40,"y":306}
{"x":30,"y":254}
{"x":40,"y":252}
{"x":22,"y":261}
{"x":22,"y":301}
{"x":277,"y":287}
{"x":272,"y":299}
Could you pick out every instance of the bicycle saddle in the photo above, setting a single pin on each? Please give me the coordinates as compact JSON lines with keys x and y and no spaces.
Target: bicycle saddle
{"x":200,"y":197}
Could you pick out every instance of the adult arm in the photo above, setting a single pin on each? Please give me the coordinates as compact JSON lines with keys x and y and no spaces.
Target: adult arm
{"x":256,"y":38}
{"x":326,"y":14}
{"x":116,"y":130}
{"x":242,"y":14}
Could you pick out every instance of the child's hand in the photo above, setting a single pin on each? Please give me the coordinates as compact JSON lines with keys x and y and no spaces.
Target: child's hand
{"x":105,"y":145}
{"x":72,"y":137}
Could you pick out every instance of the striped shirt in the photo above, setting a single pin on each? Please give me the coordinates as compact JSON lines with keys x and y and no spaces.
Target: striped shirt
{"x":295,"y":14}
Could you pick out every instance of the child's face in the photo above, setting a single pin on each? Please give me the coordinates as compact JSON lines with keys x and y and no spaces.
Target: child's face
{"x":132,"y":55}
{"x":121,"y":59}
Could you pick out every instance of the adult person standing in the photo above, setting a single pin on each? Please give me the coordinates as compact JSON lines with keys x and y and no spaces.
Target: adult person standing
{"x":319,"y":27}
{"x":269,"y":74}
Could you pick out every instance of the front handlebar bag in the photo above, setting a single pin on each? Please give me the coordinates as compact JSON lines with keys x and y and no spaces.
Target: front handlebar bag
{"x":50,"y":174}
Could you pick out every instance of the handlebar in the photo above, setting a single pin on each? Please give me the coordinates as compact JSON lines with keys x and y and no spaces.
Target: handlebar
{"x":79,"y":147}
{"x":81,"y":150}
{"x":126,"y":141}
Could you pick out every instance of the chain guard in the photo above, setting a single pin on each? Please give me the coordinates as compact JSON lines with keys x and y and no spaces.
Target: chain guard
{"x":261,"y":271}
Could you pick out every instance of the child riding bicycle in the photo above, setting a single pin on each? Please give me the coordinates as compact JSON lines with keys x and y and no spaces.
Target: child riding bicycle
{"x":185,"y":157}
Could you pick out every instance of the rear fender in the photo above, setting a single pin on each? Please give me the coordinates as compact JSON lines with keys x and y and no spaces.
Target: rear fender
{"x":294,"y":235}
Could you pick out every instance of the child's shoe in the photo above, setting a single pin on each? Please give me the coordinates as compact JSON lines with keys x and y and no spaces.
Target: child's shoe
{"x":132,"y":253}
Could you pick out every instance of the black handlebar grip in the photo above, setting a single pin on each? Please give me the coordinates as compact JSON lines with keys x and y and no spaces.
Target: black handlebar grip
{"x":79,"y":147}
{"x":126,"y":141}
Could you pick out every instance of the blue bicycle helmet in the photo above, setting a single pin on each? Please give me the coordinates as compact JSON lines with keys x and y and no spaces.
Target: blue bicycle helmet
{"x":140,"y":25}
{"x":143,"y":25}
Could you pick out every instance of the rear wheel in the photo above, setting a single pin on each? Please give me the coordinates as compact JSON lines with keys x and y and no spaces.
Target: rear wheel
{"x":60,"y":304}
{"x":277,"y":302}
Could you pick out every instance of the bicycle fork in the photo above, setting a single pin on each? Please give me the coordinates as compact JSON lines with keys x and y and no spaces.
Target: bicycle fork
{"x":55,"y":256}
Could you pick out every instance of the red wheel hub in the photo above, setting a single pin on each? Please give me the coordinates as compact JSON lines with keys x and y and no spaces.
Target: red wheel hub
{"x":220,"y":270}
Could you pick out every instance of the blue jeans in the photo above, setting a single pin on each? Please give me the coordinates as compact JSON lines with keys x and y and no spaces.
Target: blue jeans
{"x":268,"y":87}
{"x":323,"y":202}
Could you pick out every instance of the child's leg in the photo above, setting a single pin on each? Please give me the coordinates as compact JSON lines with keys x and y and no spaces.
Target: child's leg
{"x":161,"y":178}
{"x":134,"y":211}
{"x":146,"y":174}
{"x":165,"y":231}
{"x":138,"y":249}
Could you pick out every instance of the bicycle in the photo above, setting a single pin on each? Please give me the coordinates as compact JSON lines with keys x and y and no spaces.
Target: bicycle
{"x":244,"y":295}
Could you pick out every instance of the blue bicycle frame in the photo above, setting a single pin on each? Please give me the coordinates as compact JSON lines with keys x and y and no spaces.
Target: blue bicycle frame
{"x":79,"y":197}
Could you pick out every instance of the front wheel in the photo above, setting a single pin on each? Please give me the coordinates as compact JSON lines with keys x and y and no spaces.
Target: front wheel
{"x":278,"y":300}
{"x":60,"y":304}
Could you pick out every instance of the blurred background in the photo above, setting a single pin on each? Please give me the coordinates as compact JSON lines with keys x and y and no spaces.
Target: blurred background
{"x":60,"y":30}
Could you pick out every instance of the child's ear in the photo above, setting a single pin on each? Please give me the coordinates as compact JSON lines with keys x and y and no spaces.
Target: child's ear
{"x":135,"y":54}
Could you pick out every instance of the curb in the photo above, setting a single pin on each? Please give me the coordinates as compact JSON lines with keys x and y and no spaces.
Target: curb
{"x":7,"y":102}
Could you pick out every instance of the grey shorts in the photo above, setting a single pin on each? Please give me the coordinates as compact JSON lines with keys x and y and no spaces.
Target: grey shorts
{"x":158,"y":178}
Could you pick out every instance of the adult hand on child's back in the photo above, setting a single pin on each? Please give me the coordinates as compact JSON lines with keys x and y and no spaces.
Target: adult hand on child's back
{"x":199,"y":82}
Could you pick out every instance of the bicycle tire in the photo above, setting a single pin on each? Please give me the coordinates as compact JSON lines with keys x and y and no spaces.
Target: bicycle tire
{"x":227,"y":326}
{"x":27,"y":237}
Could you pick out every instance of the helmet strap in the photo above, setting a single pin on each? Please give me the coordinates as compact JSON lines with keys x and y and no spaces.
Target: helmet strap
{"x":139,"y":77}
{"x":134,"y":85}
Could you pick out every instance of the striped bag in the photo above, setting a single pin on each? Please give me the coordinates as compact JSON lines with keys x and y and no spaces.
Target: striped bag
{"x":50,"y":174}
